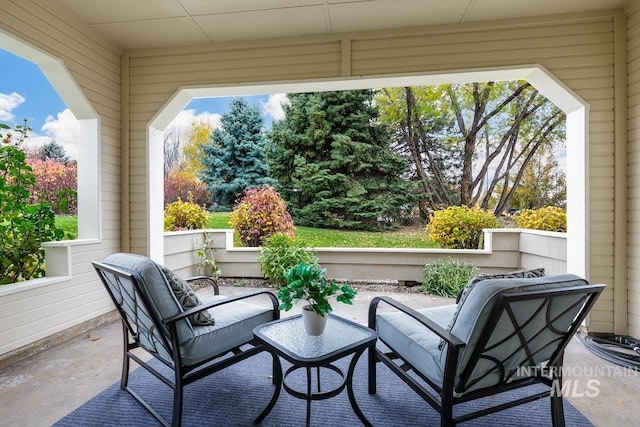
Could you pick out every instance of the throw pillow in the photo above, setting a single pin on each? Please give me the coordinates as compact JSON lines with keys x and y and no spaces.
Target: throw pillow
{"x":518,"y":274}
{"x":187,"y":298}
{"x":464,"y":293}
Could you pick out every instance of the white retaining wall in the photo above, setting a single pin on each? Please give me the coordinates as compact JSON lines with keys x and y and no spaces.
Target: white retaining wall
{"x":505,"y":250}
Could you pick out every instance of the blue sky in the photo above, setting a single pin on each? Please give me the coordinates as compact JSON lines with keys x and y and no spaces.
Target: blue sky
{"x":26,"y":93}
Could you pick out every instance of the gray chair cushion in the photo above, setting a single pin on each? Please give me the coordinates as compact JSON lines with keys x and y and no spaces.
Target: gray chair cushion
{"x":462,"y":296}
{"x":472,"y":317}
{"x":420,"y":347}
{"x":233,"y":327}
{"x":518,"y":274}
{"x":413,"y":341}
{"x":234,"y":322}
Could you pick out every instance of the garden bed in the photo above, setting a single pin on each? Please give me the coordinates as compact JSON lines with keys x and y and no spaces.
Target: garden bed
{"x":368,"y":285}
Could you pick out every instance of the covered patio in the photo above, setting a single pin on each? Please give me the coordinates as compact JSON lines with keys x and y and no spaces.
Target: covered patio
{"x":61,"y":379}
{"x":125,"y":69}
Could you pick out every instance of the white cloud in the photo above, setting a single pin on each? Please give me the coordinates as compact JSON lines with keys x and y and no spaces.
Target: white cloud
{"x":63,"y":129}
{"x":182,"y":123}
{"x":8,"y":103}
{"x":274,"y":105}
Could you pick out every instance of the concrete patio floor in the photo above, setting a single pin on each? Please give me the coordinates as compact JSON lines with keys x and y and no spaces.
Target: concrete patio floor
{"x":40,"y":390}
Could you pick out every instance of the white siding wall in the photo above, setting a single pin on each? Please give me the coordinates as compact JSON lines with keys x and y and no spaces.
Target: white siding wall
{"x":504,"y":250}
{"x":39,"y":311}
{"x":633,"y":36}
{"x":578,"y":49}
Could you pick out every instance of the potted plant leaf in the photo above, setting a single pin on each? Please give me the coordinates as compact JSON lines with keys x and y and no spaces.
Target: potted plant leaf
{"x":307,"y":282}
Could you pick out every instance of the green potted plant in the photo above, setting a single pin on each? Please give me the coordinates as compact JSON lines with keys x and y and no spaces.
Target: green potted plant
{"x":307,"y":282}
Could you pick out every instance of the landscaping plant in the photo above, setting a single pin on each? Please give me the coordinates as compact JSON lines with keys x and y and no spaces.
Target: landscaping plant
{"x":55,"y":183}
{"x":261,"y":213}
{"x":207,"y":264}
{"x":459,"y":227}
{"x":183,"y":186}
{"x":447,"y":277}
{"x":549,"y":218}
{"x":23,"y":225}
{"x":181,"y":215}
{"x":279,"y":254}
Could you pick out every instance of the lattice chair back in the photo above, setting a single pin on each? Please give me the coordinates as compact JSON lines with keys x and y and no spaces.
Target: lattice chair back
{"x":143,"y":297}
{"x":518,"y":328}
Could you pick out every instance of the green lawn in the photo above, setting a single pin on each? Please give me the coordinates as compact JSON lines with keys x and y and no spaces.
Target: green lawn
{"x":408,"y":237}
{"x":68,"y":223}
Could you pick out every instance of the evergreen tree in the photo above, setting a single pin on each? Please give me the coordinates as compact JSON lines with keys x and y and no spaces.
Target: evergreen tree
{"x":234,"y":158}
{"x":54,"y":151}
{"x":331,"y":158}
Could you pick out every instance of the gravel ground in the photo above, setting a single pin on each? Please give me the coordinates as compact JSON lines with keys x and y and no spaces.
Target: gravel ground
{"x":371,"y":286}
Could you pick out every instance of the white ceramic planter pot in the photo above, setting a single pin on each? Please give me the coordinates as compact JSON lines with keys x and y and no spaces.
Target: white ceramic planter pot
{"x":313,"y":323}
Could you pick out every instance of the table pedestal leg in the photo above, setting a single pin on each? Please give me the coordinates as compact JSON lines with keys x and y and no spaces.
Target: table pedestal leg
{"x":352,"y":397}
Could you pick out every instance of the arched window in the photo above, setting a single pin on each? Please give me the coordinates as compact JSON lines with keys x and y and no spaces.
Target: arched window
{"x":89,"y":212}
{"x":549,"y":86}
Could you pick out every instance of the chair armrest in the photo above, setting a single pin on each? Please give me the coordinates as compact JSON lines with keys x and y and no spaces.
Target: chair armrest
{"x":199,"y":308}
{"x":430,"y":324}
{"x":208,"y":280}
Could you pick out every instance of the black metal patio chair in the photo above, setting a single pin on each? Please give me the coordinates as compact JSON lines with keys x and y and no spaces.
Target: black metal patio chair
{"x":506,"y":334}
{"x":164,"y":317}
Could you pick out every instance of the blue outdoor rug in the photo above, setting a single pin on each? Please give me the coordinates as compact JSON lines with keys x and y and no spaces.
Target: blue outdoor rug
{"x":237,"y":395}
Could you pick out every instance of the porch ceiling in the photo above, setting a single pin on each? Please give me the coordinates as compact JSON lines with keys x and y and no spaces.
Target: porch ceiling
{"x":169,"y":23}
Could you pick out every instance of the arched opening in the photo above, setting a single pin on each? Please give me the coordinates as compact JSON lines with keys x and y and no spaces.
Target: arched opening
{"x":89,"y":212}
{"x":549,"y":86}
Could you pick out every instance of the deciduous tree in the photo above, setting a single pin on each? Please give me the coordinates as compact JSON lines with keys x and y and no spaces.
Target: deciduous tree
{"x":471,"y":143}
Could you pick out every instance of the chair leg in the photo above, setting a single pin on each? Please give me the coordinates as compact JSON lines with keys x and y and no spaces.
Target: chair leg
{"x":371,"y":357}
{"x":557,"y":408}
{"x":557,"y":411}
{"x":176,"y":420}
{"x":446,"y":412}
{"x":124,"y":379}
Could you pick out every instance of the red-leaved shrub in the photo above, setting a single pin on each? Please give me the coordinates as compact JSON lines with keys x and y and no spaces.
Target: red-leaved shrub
{"x":183,"y":186}
{"x":56,"y":183}
{"x":261,"y":213}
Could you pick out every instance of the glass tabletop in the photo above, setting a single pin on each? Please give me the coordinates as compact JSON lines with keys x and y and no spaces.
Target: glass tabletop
{"x":289,"y":335}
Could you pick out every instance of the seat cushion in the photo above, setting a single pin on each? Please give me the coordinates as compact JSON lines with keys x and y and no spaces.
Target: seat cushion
{"x":415,"y":342}
{"x":187,"y":298}
{"x":233,"y":327}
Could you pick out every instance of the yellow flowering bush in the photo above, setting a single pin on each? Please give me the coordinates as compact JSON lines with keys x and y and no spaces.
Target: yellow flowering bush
{"x":181,"y":215}
{"x":549,"y":218}
{"x":459,"y":227}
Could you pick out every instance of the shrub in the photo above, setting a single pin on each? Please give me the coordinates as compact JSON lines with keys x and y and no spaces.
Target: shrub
{"x":23,"y":225}
{"x":459,"y":227}
{"x":447,"y":277}
{"x":183,"y":186}
{"x":280,"y":253}
{"x":549,"y":218}
{"x":261,"y":213}
{"x":181,"y":215}
{"x":56,"y":183}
